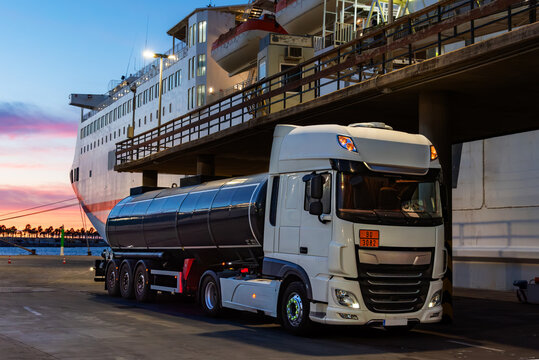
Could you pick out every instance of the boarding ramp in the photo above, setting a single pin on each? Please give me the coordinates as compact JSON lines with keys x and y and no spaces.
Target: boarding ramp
{"x":383,"y":74}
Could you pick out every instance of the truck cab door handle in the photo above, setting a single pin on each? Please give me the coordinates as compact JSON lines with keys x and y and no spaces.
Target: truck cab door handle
{"x":303,"y":250}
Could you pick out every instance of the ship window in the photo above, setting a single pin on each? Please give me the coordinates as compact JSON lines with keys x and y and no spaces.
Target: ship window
{"x":150,"y":94}
{"x":189,"y":69}
{"x":139,"y":100}
{"x":201,"y":95}
{"x":170,"y":83}
{"x":169,"y":108}
{"x":151,"y":117}
{"x":202,"y":32}
{"x":188,"y":98}
{"x":164,"y":85}
{"x":163,"y":111}
{"x":90,"y":174}
{"x":193,"y":67}
{"x":262,"y":69}
{"x":201,"y":66}
{"x":144,"y":120}
{"x":124,"y":130}
{"x":139,"y":122}
{"x":128,"y":106}
{"x":192,"y":34}
{"x":156,"y":90}
{"x":178,"y":79}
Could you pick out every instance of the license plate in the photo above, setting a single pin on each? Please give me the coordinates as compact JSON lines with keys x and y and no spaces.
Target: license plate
{"x":369,"y":238}
{"x":395,"y":322}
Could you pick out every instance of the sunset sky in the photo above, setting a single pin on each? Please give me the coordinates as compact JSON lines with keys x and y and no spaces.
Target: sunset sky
{"x":49,"y":50}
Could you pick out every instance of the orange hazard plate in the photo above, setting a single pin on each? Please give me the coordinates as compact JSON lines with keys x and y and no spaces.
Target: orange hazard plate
{"x":369,"y":238}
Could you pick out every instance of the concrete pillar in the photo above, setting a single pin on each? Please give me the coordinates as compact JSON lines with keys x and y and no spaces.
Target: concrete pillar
{"x":206,"y":165}
{"x":434,"y":123}
{"x":149,"y":178}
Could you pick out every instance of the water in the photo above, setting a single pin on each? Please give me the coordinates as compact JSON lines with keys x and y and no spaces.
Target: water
{"x":53,"y":250}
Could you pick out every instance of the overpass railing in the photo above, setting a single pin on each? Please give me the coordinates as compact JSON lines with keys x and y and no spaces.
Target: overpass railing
{"x":408,"y":40}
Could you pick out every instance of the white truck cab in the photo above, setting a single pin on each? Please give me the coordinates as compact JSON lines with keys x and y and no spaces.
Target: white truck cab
{"x":354,"y":224}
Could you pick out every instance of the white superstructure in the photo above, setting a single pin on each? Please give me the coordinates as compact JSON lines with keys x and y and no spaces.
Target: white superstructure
{"x":190,"y":80}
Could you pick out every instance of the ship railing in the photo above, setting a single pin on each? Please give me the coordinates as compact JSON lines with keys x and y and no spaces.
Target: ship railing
{"x":142,"y":76}
{"x":408,"y":40}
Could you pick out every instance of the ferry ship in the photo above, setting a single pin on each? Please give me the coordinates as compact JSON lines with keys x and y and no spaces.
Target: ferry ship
{"x":495,"y":193}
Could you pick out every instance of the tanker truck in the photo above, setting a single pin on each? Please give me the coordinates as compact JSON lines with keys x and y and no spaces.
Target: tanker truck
{"x":345,"y":228}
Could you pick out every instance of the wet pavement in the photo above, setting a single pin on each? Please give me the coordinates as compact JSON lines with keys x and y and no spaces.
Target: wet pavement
{"x":50,"y":310}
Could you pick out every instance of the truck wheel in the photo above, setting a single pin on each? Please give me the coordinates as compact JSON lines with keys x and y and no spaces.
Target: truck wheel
{"x":112,"y":279}
{"x":210,"y":299}
{"x":143,"y":292}
{"x":126,"y":281}
{"x":295,"y":308}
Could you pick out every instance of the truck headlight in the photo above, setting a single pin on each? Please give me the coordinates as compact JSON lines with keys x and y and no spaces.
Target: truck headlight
{"x":346,"y":298}
{"x":436,"y":299}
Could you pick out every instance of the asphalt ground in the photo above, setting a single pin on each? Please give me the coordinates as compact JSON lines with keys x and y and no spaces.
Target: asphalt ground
{"x":50,"y":310}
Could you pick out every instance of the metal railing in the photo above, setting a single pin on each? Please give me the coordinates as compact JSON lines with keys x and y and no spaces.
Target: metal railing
{"x":141,"y":76}
{"x":406,"y":41}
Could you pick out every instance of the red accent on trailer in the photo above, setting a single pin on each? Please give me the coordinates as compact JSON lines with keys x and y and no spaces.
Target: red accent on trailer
{"x":187,"y":264}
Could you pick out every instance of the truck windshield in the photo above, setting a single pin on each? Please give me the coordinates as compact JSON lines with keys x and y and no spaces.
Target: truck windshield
{"x":389,"y":199}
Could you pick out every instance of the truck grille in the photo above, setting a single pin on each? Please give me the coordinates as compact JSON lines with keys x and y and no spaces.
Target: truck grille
{"x":394,"y":288}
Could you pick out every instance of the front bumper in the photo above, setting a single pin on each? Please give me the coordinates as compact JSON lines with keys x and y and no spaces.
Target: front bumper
{"x":334,"y":313}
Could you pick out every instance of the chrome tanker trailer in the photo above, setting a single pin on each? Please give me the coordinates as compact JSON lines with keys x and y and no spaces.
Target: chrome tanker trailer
{"x":346,"y":228}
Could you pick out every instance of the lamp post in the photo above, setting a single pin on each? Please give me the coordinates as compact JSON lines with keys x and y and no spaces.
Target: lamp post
{"x":151,"y":54}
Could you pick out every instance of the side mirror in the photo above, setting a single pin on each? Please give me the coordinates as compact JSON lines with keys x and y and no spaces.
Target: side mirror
{"x":316,"y":208}
{"x":317,"y":186}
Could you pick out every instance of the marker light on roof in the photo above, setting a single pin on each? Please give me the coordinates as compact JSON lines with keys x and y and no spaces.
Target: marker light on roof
{"x":346,"y":142}
{"x":433,"y":153}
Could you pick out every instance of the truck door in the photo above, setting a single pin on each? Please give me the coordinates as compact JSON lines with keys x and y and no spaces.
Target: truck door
{"x":315,"y":236}
{"x":290,"y":208}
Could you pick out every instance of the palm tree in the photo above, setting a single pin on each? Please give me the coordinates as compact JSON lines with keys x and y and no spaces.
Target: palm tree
{"x":13,"y":231}
{"x":27,"y":229}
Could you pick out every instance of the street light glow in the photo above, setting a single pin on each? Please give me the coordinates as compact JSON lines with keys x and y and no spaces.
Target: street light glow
{"x":148,"y":54}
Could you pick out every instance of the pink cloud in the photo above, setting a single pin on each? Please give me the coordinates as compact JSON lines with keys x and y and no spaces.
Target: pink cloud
{"x":22,"y":197}
{"x":19,"y":119}
{"x":7,"y":166}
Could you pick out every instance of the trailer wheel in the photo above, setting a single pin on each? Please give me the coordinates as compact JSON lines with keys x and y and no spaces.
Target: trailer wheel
{"x":113,"y":280}
{"x":295,"y":308}
{"x":126,"y":281}
{"x":143,"y":292}
{"x":210,"y":299}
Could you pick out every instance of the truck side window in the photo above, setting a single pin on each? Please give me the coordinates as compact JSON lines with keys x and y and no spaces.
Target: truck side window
{"x":326,"y":196}
{"x":274,"y":197}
